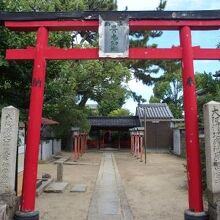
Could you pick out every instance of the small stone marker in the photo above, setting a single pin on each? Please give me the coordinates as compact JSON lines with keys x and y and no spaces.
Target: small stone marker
{"x":59,"y":172}
{"x":56,"y":187}
{"x":79,"y":188}
{"x":212,"y":148}
{"x":8,"y":148}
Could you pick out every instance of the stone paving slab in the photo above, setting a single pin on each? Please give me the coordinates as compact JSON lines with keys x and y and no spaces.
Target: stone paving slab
{"x":44,"y":184}
{"x":79,"y":188}
{"x":80,"y":163}
{"x":109,"y":201}
{"x":56,"y":187}
{"x":62,"y":160}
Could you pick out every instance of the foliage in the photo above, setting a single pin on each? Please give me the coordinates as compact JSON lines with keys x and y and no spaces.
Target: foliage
{"x":168,"y":89}
{"x":120,"y":112}
{"x":210,"y":89}
{"x":69,"y":84}
{"x":143,"y":69}
{"x":112,"y":99}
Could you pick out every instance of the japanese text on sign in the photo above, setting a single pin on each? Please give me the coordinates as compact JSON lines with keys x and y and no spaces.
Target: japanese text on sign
{"x":113,"y":38}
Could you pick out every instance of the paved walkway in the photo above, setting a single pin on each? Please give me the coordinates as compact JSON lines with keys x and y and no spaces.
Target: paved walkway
{"x":109,"y":201}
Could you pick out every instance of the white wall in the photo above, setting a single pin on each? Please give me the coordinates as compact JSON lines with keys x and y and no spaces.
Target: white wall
{"x":48,"y":148}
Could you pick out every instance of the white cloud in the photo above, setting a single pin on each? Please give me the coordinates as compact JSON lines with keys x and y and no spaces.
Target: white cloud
{"x":137,"y":5}
{"x":192,"y":4}
{"x":171,"y":4}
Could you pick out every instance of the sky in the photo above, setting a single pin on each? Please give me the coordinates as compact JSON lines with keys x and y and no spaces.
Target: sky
{"x":169,"y":38}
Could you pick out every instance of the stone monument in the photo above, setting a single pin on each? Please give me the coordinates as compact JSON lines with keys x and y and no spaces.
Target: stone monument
{"x":8,"y":152}
{"x":211,"y":112}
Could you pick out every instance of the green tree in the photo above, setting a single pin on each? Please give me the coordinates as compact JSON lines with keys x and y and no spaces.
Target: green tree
{"x":143,"y":69}
{"x":208,"y":89}
{"x":120,"y":112}
{"x":62,"y":92}
{"x":168,"y":89}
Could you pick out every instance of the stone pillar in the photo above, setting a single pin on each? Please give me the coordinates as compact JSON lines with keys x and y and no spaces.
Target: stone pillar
{"x":212,"y":149}
{"x":8,"y":151}
{"x":60,"y":172}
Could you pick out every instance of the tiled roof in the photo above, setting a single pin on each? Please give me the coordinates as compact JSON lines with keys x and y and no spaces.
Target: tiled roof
{"x":154,"y":111}
{"x":47,"y":121}
{"x":119,"y":122}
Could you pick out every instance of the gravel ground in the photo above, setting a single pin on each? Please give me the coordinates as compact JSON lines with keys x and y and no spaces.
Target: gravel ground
{"x":68,"y":205}
{"x":155,"y":191}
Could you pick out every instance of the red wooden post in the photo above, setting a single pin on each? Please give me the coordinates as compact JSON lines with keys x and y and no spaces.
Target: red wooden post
{"x":75,"y":146}
{"x":86,"y":141}
{"x":132,"y":143}
{"x":191,"y":123}
{"x":136,"y":145}
{"x":78,"y":146}
{"x":83,"y":142}
{"x":34,"y":124}
{"x":141,"y":147}
{"x":81,"y":145}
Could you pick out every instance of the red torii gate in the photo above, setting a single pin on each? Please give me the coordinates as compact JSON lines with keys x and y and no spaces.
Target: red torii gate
{"x":42,"y":23}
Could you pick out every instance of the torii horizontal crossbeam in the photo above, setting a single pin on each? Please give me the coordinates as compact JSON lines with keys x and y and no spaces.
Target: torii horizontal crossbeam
{"x":88,"y":20}
{"x":51,"y":53}
{"x":134,"y":25}
{"x":94,"y":15}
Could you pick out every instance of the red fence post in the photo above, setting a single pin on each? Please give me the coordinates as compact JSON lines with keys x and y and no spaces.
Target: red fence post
{"x":81,"y":144}
{"x":136,"y":145}
{"x":86,"y":147}
{"x":34,"y":124}
{"x":75,"y":146}
{"x":131,"y":142}
{"x":78,"y":146}
{"x":141,"y":147}
{"x":191,"y":126}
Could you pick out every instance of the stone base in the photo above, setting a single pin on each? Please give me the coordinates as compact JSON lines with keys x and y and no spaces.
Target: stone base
{"x":3,"y":210}
{"x":214,"y":211}
{"x":213,"y":198}
{"x":189,"y":215}
{"x":56,"y":187}
{"x":26,"y":215}
{"x":11,"y":202}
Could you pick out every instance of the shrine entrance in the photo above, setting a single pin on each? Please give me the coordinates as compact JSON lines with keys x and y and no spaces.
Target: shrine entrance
{"x":119,"y":24}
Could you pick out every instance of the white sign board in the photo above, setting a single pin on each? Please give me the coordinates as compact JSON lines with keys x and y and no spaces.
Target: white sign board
{"x":113,"y":38}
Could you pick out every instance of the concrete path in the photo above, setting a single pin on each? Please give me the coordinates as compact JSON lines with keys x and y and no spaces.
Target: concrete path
{"x":109,"y":201}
